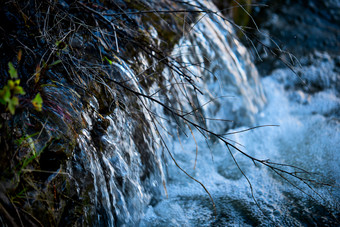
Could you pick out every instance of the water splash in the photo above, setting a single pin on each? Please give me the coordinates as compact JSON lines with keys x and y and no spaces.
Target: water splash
{"x":118,"y":164}
{"x":307,"y":137}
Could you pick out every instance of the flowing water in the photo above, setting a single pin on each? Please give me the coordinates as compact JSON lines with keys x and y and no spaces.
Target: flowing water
{"x":307,"y":137}
{"x":127,"y":171}
{"x":119,"y":165}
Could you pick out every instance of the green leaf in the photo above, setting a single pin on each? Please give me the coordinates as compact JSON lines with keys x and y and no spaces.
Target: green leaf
{"x":18,"y":90}
{"x":15,"y":87}
{"x":12,"y":71}
{"x":11,"y":84}
{"x":23,"y":138}
{"x":12,"y":104}
{"x":54,"y":63}
{"x":11,"y":108}
{"x":7,"y":95}
{"x":37,"y":102}
{"x":108,"y":60}
{"x":17,"y":82}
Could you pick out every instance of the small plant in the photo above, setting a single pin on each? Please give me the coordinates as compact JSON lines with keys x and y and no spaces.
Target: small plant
{"x":37,"y":102}
{"x":9,"y":93}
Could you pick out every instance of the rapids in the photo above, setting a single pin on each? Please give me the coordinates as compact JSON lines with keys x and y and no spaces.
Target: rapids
{"x":145,"y":121}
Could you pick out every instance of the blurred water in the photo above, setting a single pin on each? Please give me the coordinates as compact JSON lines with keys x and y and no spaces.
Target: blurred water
{"x":117,"y":163}
{"x":123,"y":170}
{"x":308,"y":137}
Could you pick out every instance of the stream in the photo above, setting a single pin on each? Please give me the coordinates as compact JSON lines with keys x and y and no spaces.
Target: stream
{"x":307,"y":136}
{"x":154,"y":113}
{"x":305,"y":112}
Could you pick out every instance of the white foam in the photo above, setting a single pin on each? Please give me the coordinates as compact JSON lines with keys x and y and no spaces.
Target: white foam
{"x":308,"y":137}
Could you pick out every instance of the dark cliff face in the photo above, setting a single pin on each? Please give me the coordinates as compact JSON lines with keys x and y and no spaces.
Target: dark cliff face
{"x":69,"y":52}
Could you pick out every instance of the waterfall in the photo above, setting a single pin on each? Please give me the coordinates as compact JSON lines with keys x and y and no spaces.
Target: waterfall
{"x":221,"y":67}
{"x":306,"y":137}
{"x":141,"y":118}
{"x":121,"y":170}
